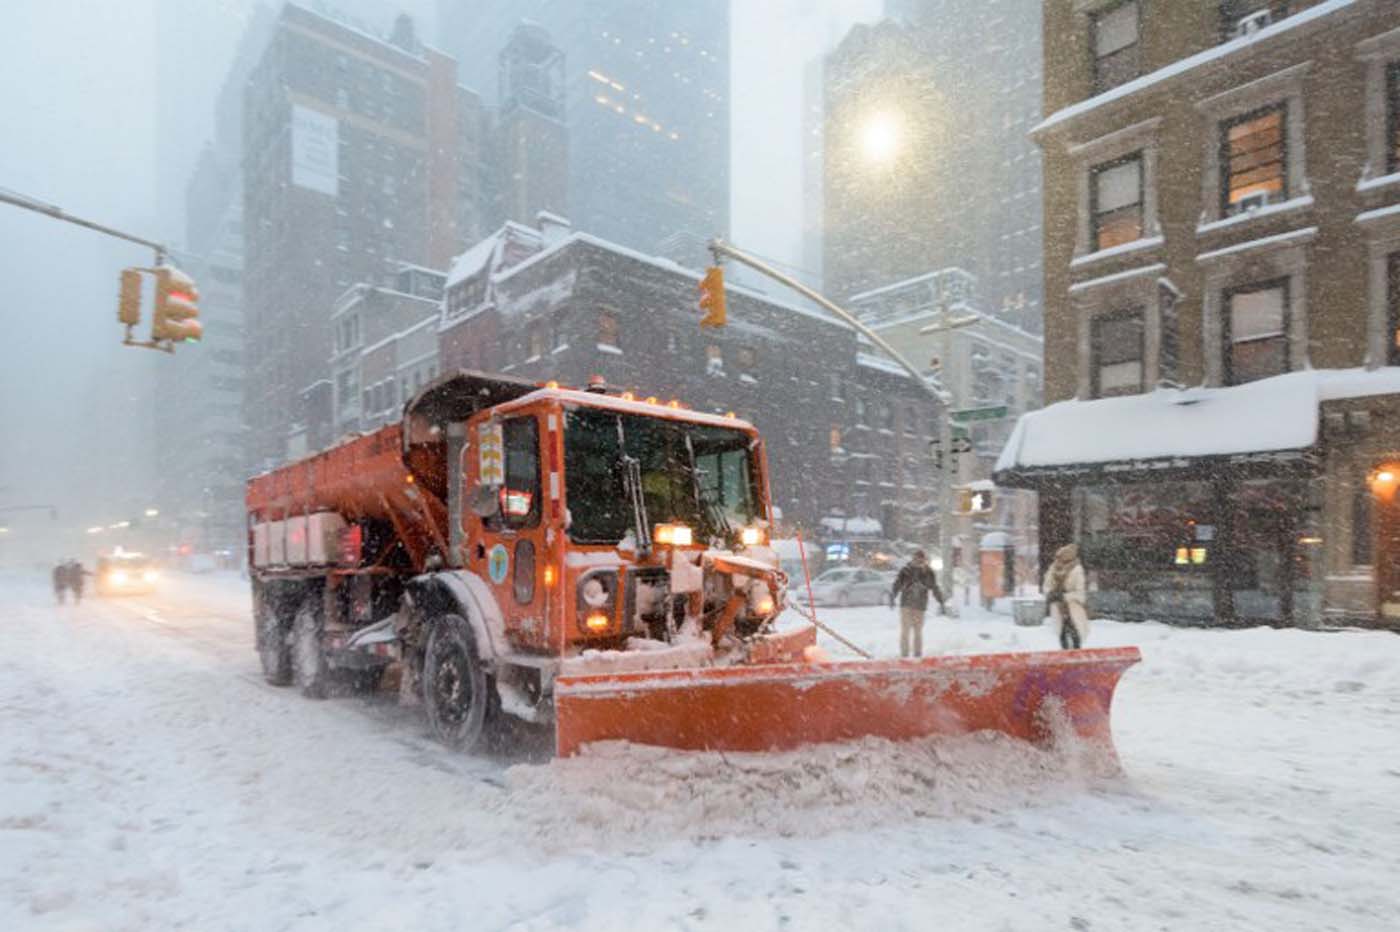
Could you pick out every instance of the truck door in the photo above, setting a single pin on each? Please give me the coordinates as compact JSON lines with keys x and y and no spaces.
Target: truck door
{"x":511,"y":550}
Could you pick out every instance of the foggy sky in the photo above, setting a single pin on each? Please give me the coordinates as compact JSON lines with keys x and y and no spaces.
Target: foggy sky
{"x":94,"y":123}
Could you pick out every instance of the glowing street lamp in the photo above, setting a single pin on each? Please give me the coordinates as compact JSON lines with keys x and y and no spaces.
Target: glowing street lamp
{"x":152,"y":512}
{"x":880,"y":136}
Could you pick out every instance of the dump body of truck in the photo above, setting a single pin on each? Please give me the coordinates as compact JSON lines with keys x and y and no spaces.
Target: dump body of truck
{"x":594,"y":563}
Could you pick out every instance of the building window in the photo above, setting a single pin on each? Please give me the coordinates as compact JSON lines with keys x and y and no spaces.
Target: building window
{"x":607,"y":329}
{"x":1253,"y":157}
{"x":558,"y":336}
{"x":746,"y":360}
{"x":1118,"y":354}
{"x":1246,"y":17}
{"x":1116,"y":207}
{"x":714,"y":359}
{"x":835,"y":439}
{"x":1117,"y":54}
{"x":1362,"y":530}
{"x":1256,"y":337}
{"x":1392,"y":297}
{"x":536,"y":338}
{"x":1392,"y":117}
{"x":858,"y":407}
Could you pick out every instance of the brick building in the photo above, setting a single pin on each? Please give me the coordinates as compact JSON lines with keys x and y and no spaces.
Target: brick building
{"x":1222,"y":204}
{"x":359,"y":154}
{"x":847,"y":434}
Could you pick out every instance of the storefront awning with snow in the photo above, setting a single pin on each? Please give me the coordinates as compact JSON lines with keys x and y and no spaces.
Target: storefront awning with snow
{"x":1268,"y":427}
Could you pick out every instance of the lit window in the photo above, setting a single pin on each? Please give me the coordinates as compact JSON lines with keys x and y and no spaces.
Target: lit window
{"x":536,"y":337}
{"x":1116,"y":193}
{"x":1254,"y":169}
{"x":1118,"y":354}
{"x":835,"y":439}
{"x":607,"y":328}
{"x":1117,"y":57}
{"x":746,"y":359}
{"x":1256,"y":339}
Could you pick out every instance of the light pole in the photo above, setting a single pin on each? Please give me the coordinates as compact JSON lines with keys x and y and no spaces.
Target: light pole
{"x":939,"y":393}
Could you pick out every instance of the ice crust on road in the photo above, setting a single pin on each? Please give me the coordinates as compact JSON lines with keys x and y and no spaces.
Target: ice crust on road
{"x":150,"y":780}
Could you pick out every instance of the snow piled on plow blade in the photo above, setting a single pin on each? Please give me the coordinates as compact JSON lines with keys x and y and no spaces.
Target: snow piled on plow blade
{"x":1033,"y":697}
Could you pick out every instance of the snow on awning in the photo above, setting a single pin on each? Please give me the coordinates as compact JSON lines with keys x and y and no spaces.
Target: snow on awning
{"x":864,"y":527}
{"x":1269,"y":422}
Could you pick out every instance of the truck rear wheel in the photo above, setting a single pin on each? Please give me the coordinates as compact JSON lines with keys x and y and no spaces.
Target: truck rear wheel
{"x":459,"y":695}
{"x":273,"y":650}
{"x":309,"y":665}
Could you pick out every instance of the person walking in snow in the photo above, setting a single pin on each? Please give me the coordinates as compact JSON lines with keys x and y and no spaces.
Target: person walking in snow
{"x":75,"y":580}
{"x":1066,"y":597}
{"x":912,"y":587}
{"x":60,"y":581}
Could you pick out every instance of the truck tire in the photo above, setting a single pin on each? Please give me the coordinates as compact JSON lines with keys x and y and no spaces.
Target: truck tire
{"x":273,"y":650}
{"x":309,"y":666}
{"x":457,"y":691}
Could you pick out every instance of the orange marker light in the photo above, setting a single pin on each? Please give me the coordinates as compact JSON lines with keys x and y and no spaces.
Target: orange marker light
{"x":549,"y":577}
{"x":629,"y":396}
{"x":597,"y":622}
{"x":651,"y":399}
{"x":673,"y":403}
{"x":551,"y":384}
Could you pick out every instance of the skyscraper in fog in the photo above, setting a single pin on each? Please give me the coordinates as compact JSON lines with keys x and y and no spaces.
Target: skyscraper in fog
{"x":646,"y":105}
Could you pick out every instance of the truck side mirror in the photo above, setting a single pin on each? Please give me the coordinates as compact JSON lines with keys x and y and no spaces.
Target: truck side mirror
{"x":485,"y":501}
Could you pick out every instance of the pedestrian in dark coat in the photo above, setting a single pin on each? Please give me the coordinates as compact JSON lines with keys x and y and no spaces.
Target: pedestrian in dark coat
{"x":60,"y":581}
{"x":75,"y":579}
{"x":912,"y":587}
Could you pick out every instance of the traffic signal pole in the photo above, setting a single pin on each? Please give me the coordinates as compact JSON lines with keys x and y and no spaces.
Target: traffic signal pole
{"x":49,"y":210}
{"x":939,"y":393}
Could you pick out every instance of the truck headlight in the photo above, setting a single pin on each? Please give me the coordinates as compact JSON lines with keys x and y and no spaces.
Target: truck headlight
{"x":118,"y":577}
{"x":150,"y":576}
{"x":751,"y":536}
{"x":675,"y":535}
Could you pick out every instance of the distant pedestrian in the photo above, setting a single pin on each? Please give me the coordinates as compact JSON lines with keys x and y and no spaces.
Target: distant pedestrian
{"x":912,"y":588}
{"x":1066,"y":595}
{"x":75,"y":580}
{"x":60,"y":581}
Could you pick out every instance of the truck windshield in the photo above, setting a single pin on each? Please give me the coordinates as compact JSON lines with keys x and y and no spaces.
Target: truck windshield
{"x":691,"y":474}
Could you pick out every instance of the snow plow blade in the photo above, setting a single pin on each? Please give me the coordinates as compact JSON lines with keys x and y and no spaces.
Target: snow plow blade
{"x":1036,"y":697}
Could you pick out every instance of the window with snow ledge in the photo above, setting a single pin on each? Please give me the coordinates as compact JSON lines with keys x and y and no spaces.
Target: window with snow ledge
{"x":1116,"y":41}
{"x":1135,"y":345}
{"x":1117,"y":204}
{"x":1255,"y":317}
{"x":1256,"y":331}
{"x":1119,"y":348}
{"x":1254,"y":157}
{"x":608,"y":332}
{"x":1381,"y":56}
{"x":1381,"y":228}
{"x":1245,"y":17}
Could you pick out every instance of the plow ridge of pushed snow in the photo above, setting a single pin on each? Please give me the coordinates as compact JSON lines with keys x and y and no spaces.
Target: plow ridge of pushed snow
{"x":617,"y":792}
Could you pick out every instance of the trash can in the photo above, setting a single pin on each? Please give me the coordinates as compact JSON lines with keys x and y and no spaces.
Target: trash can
{"x":1028,"y":612}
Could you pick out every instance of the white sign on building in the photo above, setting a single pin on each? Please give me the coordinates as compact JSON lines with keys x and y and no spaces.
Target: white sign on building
{"x":315,"y":151}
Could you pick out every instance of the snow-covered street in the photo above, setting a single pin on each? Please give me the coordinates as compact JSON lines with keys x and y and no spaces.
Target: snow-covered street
{"x":149,"y":779}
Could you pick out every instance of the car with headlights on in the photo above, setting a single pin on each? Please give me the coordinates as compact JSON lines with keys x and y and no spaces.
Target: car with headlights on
{"x":126,"y":574}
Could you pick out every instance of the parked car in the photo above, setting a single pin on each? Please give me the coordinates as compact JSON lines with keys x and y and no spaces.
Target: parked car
{"x":849,"y":585}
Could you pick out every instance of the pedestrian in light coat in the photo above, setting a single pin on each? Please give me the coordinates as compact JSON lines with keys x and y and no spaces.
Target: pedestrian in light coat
{"x":1066,"y":597}
{"x":912,"y":588}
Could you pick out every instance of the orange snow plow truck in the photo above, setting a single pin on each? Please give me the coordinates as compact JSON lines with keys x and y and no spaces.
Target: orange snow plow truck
{"x":600,"y":565}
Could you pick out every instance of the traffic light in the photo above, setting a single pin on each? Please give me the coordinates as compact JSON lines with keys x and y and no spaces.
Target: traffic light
{"x":712,"y":297}
{"x":129,"y":299}
{"x":176,"y":307}
{"x":973,"y":501}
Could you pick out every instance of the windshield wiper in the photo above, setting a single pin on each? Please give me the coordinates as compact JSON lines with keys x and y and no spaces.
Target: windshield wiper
{"x":632,"y":487}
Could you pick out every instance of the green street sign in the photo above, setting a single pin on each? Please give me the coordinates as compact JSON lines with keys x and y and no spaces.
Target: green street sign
{"x":959,"y":430}
{"x":989,"y":413}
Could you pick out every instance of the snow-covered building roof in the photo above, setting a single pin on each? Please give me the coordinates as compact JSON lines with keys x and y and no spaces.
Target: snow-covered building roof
{"x":1272,"y":419}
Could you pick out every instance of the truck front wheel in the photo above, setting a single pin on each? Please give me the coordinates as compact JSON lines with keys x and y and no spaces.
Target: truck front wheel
{"x":458,"y":693}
